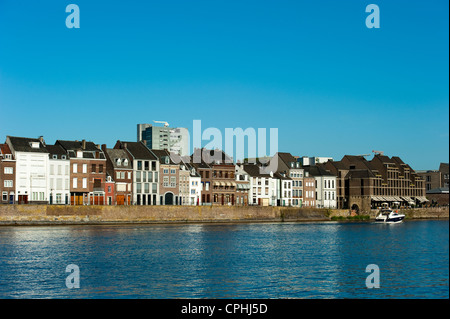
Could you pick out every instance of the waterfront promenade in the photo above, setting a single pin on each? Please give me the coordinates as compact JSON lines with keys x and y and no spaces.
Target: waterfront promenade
{"x":62,"y":214}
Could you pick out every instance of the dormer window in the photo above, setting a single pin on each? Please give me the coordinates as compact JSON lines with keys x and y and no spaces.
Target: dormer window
{"x":125,"y":162}
{"x":55,"y":156}
{"x":34,"y":144}
{"x":63,"y":157}
{"x":167,"y":160}
{"x":79,"y":154}
{"x":292,"y":164}
{"x":118,"y":161}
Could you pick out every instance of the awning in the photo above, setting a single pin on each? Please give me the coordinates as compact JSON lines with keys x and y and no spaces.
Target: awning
{"x":228,"y":184}
{"x":222,"y":183}
{"x":422,"y":199}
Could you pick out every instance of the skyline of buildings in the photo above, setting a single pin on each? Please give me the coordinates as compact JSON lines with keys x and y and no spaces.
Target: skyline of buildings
{"x":130,"y":173}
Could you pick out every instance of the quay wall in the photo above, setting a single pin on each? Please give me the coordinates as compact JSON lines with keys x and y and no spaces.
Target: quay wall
{"x":60,"y":214}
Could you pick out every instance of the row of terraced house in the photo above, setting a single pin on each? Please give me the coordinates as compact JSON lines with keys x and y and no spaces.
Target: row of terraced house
{"x":81,"y":172}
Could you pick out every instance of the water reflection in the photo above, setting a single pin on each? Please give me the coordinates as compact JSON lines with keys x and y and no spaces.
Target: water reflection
{"x":279,"y":260}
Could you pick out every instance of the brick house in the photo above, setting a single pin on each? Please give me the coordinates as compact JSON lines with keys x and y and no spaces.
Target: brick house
{"x":145,"y":173}
{"x":119,"y":168}
{"x":205,"y":172}
{"x":7,"y":175}
{"x":364,"y":184}
{"x":169,"y":188}
{"x":87,"y":172}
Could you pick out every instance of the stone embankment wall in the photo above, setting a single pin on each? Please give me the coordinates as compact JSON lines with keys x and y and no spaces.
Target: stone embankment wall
{"x":58,"y":214}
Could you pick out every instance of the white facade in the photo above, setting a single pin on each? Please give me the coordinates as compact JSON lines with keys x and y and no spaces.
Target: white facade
{"x":285,"y":192}
{"x":263,"y":191}
{"x":31,"y":176}
{"x":326,"y":195}
{"x":59,"y":180}
{"x":195,"y":188}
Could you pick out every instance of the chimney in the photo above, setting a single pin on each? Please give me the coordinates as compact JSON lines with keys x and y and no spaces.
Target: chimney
{"x":125,"y":145}
{"x":83,"y":144}
{"x":41,"y":139}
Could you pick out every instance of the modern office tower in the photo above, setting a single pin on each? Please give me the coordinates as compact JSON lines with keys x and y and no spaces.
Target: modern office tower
{"x":175,"y":140}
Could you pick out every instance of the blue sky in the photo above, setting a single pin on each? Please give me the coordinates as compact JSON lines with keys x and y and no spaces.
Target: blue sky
{"x":312,"y":69}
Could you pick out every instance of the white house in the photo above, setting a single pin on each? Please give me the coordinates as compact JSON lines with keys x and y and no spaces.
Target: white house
{"x":195,"y":186}
{"x":32,"y":160}
{"x":285,"y":190}
{"x":58,"y":175}
{"x":326,"y":193}
{"x":263,"y":187}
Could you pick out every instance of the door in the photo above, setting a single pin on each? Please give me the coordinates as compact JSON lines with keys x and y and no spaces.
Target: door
{"x":168,"y":199}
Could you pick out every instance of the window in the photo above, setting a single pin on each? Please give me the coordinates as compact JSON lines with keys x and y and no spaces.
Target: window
{"x":8,"y":170}
{"x":138,"y":177}
{"x":8,"y":183}
{"x":150,"y":177}
{"x":75,"y":183}
{"x":154,"y":188}
{"x":147,"y":188}
{"x":147,"y":165}
{"x":75,"y":168}
{"x":4,"y":196}
{"x":129,"y":175}
{"x":172,"y":171}
{"x":173,"y":181}
{"x":84,"y":182}
{"x":166,"y":171}
{"x":138,"y":188}
{"x":94,"y":168}
{"x":100,"y":168}
{"x":84,"y":168}
{"x":139,"y":165}
{"x":166,"y":181}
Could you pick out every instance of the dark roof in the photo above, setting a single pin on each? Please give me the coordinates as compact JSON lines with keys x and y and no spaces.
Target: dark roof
{"x":359,"y":173}
{"x":286,"y":158}
{"x":281,"y":176}
{"x":115,"y":154}
{"x":162,"y":155}
{"x":254,"y":170}
{"x":317,"y":170}
{"x":89,"y":149}
{"x":137,"y":149}
{"x":439,"y":190}
{"x":56,"y":150}
{"x":78,"y":146}
{"x":213,"y":157}
{"x":23,"y":144}
{"x":443,"y":167}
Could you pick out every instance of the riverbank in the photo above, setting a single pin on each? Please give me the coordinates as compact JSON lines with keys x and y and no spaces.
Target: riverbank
{"x":61,"y":214}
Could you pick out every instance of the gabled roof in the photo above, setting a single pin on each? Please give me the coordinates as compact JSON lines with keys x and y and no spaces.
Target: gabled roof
{"x":163,"y":155}
{"x":24,"y":144}
{"x":4,"y":149}
{"x":254,"y":170}
{"x":56,"y":150}
{"x":137,"y":149}
{"x":211,"y":157}
{"x":359,"y":173}
{"x":116,"y":156}
{"x":78,"y":146}
{"x":317,"y":170}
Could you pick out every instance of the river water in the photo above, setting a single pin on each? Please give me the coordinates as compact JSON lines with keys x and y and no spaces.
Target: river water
{"x":259,"y":260}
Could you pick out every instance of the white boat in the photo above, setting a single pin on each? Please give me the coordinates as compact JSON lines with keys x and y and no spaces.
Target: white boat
{"x":390,"y":216}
